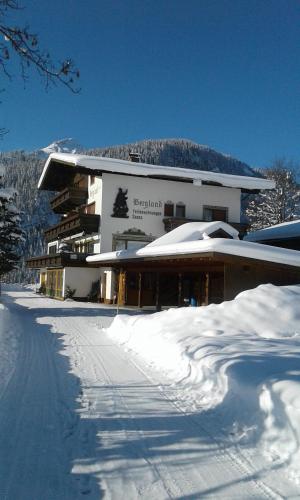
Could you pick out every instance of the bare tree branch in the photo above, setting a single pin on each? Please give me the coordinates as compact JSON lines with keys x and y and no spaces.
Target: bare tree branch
{"x":22,"y":42}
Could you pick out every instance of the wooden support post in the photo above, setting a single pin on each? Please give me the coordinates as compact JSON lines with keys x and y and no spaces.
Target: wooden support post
{"x":140,"y":291}
{"x":157,"y":297}
{"x":224,"y":282}
{"x":122,"y":288}
{"x":179,"y":289}
{"x":206,"y":289}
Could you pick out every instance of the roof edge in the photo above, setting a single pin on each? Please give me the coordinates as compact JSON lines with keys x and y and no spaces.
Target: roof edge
{"x":118,"y":166}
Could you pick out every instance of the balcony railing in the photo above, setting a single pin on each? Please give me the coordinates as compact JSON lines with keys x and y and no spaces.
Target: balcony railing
{"x":59,"y":260}
{"x":75,"y":223}
{"x":68,"y":199}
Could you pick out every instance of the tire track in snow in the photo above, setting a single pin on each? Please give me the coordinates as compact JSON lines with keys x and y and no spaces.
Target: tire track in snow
{"x":171,"y":484}
{"x":34,"y":464}
{"x":96,"y":363}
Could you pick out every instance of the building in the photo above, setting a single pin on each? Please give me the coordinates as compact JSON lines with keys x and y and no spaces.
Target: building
{"x":197,"y":264}
{"x":110,"y":205}
{"x":284,"y":235}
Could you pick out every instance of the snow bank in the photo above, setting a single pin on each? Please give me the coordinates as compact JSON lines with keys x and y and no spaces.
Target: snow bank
{"x":239,"y":360}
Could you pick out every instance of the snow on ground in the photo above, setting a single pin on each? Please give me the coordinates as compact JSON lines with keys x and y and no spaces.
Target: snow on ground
{"x":8,"y":347}
{"x":238,"y":361}
{"x":201,"y":410}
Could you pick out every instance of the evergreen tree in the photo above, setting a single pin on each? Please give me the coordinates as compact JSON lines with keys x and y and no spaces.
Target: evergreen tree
{"x":10,"y":232}
{"x":279,"y":205}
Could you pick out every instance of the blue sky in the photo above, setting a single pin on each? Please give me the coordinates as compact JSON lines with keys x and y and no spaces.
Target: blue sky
{"x":225,"y":73}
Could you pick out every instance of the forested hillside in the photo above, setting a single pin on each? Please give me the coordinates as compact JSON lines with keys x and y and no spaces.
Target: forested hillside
{"x":23,"y":171}
{"x":178,"y":153}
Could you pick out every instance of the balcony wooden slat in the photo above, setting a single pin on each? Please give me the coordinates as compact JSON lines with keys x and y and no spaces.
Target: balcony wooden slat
{"x":73,"y":259}
{"x":68,"y":199}
{"x":88,"y":223}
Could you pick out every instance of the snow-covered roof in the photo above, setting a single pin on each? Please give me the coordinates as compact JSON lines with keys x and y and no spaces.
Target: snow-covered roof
{"x":193,"y":231}
{"x":98,"y":165}
{"x":232,"y":247}
{"x":279,"y":231}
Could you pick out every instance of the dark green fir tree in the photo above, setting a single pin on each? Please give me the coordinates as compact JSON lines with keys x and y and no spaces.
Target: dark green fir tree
{"x":11,"y":233}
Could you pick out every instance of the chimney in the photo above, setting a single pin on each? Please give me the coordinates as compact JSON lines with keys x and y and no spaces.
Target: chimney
{"x":135,"y":157}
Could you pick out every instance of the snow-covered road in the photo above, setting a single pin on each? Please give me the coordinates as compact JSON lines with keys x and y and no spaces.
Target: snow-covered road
{"x":81,"y":418}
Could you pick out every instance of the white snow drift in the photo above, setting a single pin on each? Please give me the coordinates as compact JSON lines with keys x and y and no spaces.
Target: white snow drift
{"x":239,"y":359}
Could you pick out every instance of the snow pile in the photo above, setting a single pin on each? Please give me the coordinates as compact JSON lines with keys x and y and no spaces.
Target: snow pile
{"x":239,"y":359}
{"x":193,"y":231}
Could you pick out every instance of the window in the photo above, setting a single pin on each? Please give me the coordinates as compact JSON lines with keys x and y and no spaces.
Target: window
{"x":149,"y":281}
{"x":90,"y":247}
{"x":215,"y":213}
{"x":80,"y":181}
{"x":180,"y":209}
{"x":84,"y":247}
{"x":135,"y":245}
{"x":90,"y":209}
{"x":169,"y":209}
{"x":52,"y":249}
{"x":123,"y":244}
{"x":132,"y":239}
{"x":120,"y":245}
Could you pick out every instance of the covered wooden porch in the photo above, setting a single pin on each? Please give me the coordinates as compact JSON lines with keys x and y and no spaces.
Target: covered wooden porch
{"x":167,"y":286}
{"x":194,"y":281}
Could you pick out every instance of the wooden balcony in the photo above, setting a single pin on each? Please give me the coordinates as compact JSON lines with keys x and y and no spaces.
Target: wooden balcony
{"x":173,"y":222}
{"x":59,"y":260}
{"x":75,"y":223}
{"x":68,"y":199}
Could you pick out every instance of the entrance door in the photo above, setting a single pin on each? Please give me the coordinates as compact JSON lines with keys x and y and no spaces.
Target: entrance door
{"x":54,"y":283}
{"x":216,"y":288}
{"x":168,"y":286}
{"x":132,"y":289}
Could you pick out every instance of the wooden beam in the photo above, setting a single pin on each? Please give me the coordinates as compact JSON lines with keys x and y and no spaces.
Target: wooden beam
{"x":157,"y":294}
{"x":121,"y":288}
{"x":140,"y":291}
{"x":179,"y":289}
{"x":206,"y":289}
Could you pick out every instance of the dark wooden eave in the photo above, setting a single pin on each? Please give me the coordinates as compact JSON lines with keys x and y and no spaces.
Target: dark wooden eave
{"x":292,"y":243}
{"x":61,"y":174}
{"x":193,"y":260}
{"x":59,"y":260}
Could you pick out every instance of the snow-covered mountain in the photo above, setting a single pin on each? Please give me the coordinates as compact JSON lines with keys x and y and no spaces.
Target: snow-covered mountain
{"x":23,"y":170}
{"x":67,"y":145}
